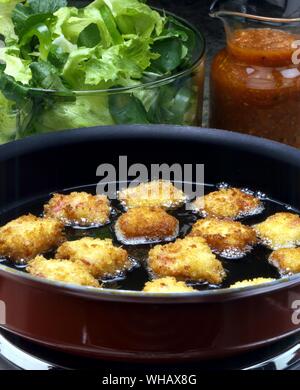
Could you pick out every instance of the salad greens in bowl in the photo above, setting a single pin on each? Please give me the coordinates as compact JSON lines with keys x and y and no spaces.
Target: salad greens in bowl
{"x":67,"y":65}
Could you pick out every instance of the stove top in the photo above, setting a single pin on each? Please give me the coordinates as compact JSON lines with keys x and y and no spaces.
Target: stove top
{"x":17,"y":353}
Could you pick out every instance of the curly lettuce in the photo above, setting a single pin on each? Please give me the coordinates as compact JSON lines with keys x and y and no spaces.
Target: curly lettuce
{"x":54,"y":51}
{"x":15,"y":66}
{"x":104,"y":68}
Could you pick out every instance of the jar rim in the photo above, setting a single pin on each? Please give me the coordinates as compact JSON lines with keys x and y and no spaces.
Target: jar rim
{"x":220,"y":14}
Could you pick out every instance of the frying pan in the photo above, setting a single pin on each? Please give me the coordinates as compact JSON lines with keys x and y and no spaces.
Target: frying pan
{"x":129,"y":326}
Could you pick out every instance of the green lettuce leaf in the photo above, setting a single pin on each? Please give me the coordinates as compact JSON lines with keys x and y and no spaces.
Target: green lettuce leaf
{"x":48,"y":6}
{"x":187,"y":36}
{"x":174,"y":103}
{"x":14,"y":66}
{"x":170,"y":52}
{"x":11,"y":89}
{"x":31,"y":21}
{"x":84,"y":112}
{"x":26,"y":16}
{"x":104,"y":45}
{"x":126,"y":61}
{"x":110,"y":23}
{"x":93,"y":15}
{"x":126,"y":108}
{"x":25,"y":19}
{"x":74,"y":69}
{"x":57,"y":56}
{"x":42,"y":33}
{"x":64,"y":45}
{"x":74,"y":24}
{"x":46,"y":76}
{"x":6,"y":23}
{"x":134,"y":17}
{"x":61,"y":16}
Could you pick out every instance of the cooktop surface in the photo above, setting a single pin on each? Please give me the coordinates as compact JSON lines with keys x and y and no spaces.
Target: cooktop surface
{"x":17,"y":353}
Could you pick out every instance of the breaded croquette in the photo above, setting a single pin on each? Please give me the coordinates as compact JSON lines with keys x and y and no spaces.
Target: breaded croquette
{"x":230,"y":203}
{"x":286,"y":260}
{"x":186,"y":259}
{"x":158,"y":193}
{"x":79,"y":208}
{"x":167,"y":285}
{"x":142,"y":225}
{"x":28,"y":236}
{"x":100,"y":257}
{"x":253,"y":282}
{"x":228,"y":238}
{"x":281,"y":230}
{"x":62,"y":270}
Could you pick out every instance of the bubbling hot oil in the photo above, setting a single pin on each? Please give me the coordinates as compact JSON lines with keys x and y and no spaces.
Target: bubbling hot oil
{"x":252,"y":264}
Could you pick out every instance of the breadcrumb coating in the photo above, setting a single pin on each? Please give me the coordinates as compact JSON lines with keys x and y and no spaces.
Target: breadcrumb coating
{"x":186,"y":259}
{"x":228,"y":238}
{"x":146,"y":224}
{"x":287,"y":260}
{"x":79,"y":208}
{"x":167,"y":285}
{"x":281,"y":230}
{"x":253,"y":282}
{"x":101,"y":257}
{"x":231,"y":203}
{"x":28,"y":236}
{"x":157,"y":193}
{"x":62,"y":270}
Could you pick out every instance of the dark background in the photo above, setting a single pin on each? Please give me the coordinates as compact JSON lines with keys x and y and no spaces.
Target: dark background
{"x":197,"y":12}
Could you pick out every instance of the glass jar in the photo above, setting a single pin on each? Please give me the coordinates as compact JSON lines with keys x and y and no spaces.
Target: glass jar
{"x":255,"y":80}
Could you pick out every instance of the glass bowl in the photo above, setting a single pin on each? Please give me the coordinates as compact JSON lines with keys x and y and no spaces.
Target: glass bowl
{"x":176,"y":99}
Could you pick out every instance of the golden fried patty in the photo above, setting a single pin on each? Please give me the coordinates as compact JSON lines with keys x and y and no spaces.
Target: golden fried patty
{"x":79,"y":208}
{"x":62,"y":270}
{"x":100,"y":257}
{"x":156,"y":193}
{"x":167,"y":285}
{"x":281,"y":230}
{"x":253,"y":282}
{"x":229,"y":203}
{"x":27,"y":236}
{"x":287,"y":260}
{"x":144,"y":224}
{"x":229,"y":238}
{"x":186,"y":259}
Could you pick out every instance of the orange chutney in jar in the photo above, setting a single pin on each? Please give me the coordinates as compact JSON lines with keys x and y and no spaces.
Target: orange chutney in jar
{"x":255,"y":87}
